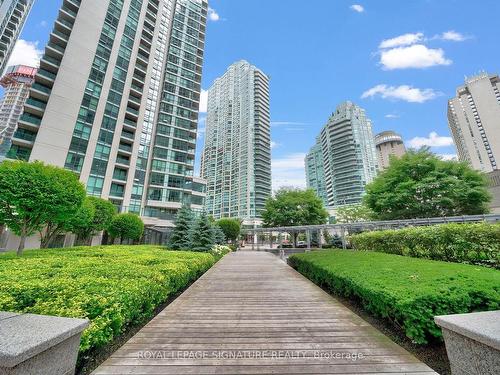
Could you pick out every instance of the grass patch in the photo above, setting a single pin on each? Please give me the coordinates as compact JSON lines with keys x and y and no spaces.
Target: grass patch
{"x":407,"y":291}
{"x":112,"y":286}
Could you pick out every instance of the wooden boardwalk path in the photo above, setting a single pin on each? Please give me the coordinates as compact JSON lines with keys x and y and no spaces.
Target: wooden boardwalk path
{"x":253,"y":314}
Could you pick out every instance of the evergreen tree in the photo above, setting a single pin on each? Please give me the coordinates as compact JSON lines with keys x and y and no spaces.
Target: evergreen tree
{"x":180,"y":239}
{"x":220,"y":237}
{"x":202,"y":234}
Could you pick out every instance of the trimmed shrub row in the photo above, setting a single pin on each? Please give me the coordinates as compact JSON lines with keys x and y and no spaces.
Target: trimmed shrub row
{"x":407,"y":291}
{"x":462,"y":243}
{"x":113,"y":286}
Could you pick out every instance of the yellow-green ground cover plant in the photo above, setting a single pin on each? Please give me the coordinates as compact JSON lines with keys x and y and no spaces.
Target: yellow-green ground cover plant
{"x":461,"y":243}
{"x":407,"y":291}
{"x":112,"y":286}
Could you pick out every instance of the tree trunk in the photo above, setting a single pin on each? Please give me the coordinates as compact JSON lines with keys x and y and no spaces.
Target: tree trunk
{"x":2,"y":230}
{"x":50,"y":233}
{"x":21,"y":244}
{"x":105,"y":238}
{"x":295,"y":237}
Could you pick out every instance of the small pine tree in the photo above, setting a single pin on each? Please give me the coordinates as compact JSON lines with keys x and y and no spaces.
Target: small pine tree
{"x":180,"y":239}
{"x":202,"y":234}
{"x":220,"y":237}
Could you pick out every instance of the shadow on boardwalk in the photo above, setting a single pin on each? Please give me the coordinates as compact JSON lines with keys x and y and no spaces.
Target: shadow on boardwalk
{"x":252,"y":314}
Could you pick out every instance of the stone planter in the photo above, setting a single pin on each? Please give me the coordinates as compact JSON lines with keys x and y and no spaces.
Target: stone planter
{"x":472,"y":342}
{"x":37,"y":344}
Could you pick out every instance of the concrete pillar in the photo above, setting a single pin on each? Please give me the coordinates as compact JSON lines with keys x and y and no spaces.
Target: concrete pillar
{"x":342,"y":233}
{"x":308,"y":237}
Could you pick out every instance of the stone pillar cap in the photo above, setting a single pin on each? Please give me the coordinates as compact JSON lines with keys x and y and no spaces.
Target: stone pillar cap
{"x":482,"y":326}
{"x":22,"y":336}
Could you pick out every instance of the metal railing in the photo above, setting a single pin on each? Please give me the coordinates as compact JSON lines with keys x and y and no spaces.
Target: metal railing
{"x":492,"y":218}
{"x":263,"y":238}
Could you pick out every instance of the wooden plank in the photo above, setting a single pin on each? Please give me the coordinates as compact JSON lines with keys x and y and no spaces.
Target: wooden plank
{"x":252,"y":314}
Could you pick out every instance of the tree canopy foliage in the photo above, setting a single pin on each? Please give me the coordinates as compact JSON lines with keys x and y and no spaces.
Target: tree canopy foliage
{"x":420,"y":184}
{"x":202,"y":234}
{"x":126,"y":226}
{"x":292,"y":207}
{"x":230,"y":227}
{"x":37,"y":197}
{"x":180,"y":238}
{"x":94,"y":216}
{"x":353,"y":213}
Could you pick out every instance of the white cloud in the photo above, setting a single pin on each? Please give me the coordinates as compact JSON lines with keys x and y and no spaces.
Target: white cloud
{"x":43,"y":23}
{"x":404,"y":92}
{"x":414,"y":56}
{"x":402,"y":40}
{"x":289,"y":171}
{"x":392,"y":116}
{"x":357,"y":8}
{"x":275,"y":145}
{"x":452,"y":36}
{"x":434,"y":140}
{"x":202,"y":121}
{"x":203,"y":101}
{"x":448,"y":156}
{"x":25,"y":53}
{"x":213,"y":15}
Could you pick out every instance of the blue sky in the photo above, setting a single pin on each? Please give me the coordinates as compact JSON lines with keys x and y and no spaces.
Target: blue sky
{"x":400,"y":60}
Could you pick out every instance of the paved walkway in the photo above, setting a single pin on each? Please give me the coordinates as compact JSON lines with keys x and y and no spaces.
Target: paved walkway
{"x":252,"y":314}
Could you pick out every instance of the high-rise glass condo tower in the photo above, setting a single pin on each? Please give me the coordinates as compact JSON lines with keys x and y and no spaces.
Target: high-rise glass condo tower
{"x":388,"y":144}
{"x":116,"y":101}
{"x":315,"y":171}
{"x":13,"y":14}
{"x":474,"y":120}
{"x":16,"y":83}
{"x":349,"y":154}
{"x":236,"y":160}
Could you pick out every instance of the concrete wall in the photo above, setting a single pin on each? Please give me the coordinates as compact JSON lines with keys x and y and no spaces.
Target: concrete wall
{"x":495,"y":191}
{"x":9,"y":241}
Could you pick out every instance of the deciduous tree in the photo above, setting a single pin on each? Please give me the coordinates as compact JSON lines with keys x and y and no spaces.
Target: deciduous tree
{"x":37,"y":197}
{"x":353,"y":213}
{"x":94,"y":216}
{"x":126,"y":226}
{"x":420,"y":185}
{"x":293,"y":207}
{"x":230,"y":227}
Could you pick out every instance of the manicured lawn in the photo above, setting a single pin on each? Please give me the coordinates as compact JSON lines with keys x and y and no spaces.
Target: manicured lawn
{"x":113,"y":286}
{"x":477,"y":243}
{"x":408,"y":291}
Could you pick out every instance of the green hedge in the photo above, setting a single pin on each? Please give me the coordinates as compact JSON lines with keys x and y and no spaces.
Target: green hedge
{"x":462,"y":243}
{"x":112,"y":286}
{"x":407,"y":291}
